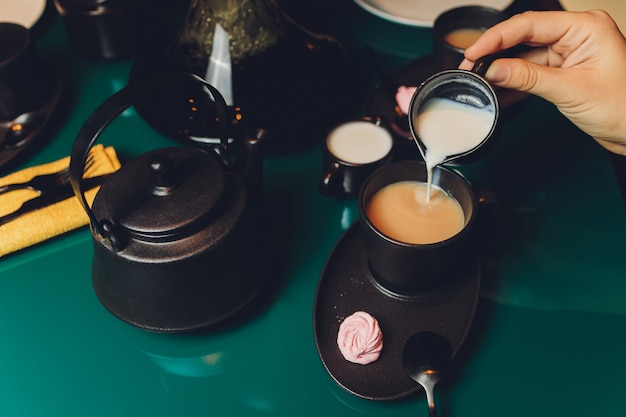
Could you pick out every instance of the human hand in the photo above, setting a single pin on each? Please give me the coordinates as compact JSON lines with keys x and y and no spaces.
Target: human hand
{"x":580,"y":67}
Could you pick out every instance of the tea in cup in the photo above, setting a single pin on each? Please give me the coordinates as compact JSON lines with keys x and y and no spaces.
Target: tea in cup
{"x":353,"y":150}
{"x":409,"y":212}
{"x":411,"y":245}
{"x":456,"y":29}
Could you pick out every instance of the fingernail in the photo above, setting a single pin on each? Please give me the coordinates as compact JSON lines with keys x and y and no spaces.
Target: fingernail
{"x":497,"y":73}
{"x":465,"y":64}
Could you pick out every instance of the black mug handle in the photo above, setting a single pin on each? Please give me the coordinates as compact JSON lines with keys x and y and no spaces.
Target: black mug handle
{"x":329,"y":185}
{"x":113,"y":107}
{"x":482,"y":64}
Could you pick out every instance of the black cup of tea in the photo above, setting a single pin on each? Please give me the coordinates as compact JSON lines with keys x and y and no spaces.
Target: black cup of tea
{"x":416,"y":242}
{"x":353,"y":150}
{"x":456,"y":29}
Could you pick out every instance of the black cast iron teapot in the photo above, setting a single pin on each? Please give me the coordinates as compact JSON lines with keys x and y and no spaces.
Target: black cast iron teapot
{"x":176,"y":230}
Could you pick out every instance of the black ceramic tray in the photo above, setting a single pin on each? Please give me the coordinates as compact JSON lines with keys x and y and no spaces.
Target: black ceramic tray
{"x":346,"y":286}
{"x":20,"y":133}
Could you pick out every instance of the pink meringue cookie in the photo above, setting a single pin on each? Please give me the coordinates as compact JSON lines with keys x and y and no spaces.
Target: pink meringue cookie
{"x":360,"y":339}
{"x":403,"y":97}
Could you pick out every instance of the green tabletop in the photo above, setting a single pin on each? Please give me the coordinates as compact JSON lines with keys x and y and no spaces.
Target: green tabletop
{"x":549,"y":337}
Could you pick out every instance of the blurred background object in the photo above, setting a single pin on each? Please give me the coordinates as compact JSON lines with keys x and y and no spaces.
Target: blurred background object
{"x":112,"y":29}
{"x":284,"y":78}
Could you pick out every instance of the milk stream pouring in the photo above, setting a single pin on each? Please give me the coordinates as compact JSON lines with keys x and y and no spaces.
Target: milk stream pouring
{"x":447,"y":127}
{"x":451,"y":114}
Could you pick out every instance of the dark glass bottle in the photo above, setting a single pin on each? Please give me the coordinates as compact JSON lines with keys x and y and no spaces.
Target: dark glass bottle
{"x":291,"y":82}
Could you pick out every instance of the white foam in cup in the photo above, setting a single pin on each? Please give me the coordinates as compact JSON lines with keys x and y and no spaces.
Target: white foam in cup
{"x":359,"y":142}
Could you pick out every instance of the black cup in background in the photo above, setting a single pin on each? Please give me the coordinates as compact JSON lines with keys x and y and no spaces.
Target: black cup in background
{"x":101,"y":28}
{"x":118,"y":29}
{"x":466,"y":17}
{"x":341,"y":177}
{"x":408,"y":269}
{"x":19,"y":72}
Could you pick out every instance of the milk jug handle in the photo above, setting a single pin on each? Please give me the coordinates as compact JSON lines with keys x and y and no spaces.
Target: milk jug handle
{"x":482,"y":64}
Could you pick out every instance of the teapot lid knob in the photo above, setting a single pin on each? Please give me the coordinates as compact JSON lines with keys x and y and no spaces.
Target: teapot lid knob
{"x":163,"y":174}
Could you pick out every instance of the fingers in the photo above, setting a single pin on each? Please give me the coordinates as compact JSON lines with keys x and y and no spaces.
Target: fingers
{"x":580,"y":52}
{"x":519,"y":74}
{"x":536,"y":28}
{"x":571,"y":39}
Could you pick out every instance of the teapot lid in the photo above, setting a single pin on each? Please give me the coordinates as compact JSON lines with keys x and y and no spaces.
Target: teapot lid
{"x":165,"y":192}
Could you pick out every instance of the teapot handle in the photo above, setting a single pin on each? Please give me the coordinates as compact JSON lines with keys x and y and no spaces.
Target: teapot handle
{"x":114,"y":106}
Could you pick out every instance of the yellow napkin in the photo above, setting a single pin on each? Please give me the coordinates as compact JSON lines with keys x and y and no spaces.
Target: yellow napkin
{"x":53,"y":220}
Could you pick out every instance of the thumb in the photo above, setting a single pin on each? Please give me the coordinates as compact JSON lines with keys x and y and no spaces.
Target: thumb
{"x":523,"y":75}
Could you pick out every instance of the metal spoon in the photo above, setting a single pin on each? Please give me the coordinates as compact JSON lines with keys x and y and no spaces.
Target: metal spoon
{"x":426,"y":358}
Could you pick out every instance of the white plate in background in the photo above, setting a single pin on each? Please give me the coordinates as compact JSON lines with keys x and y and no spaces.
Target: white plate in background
{"x":23,"y":12}
{"x":421,"y":12}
